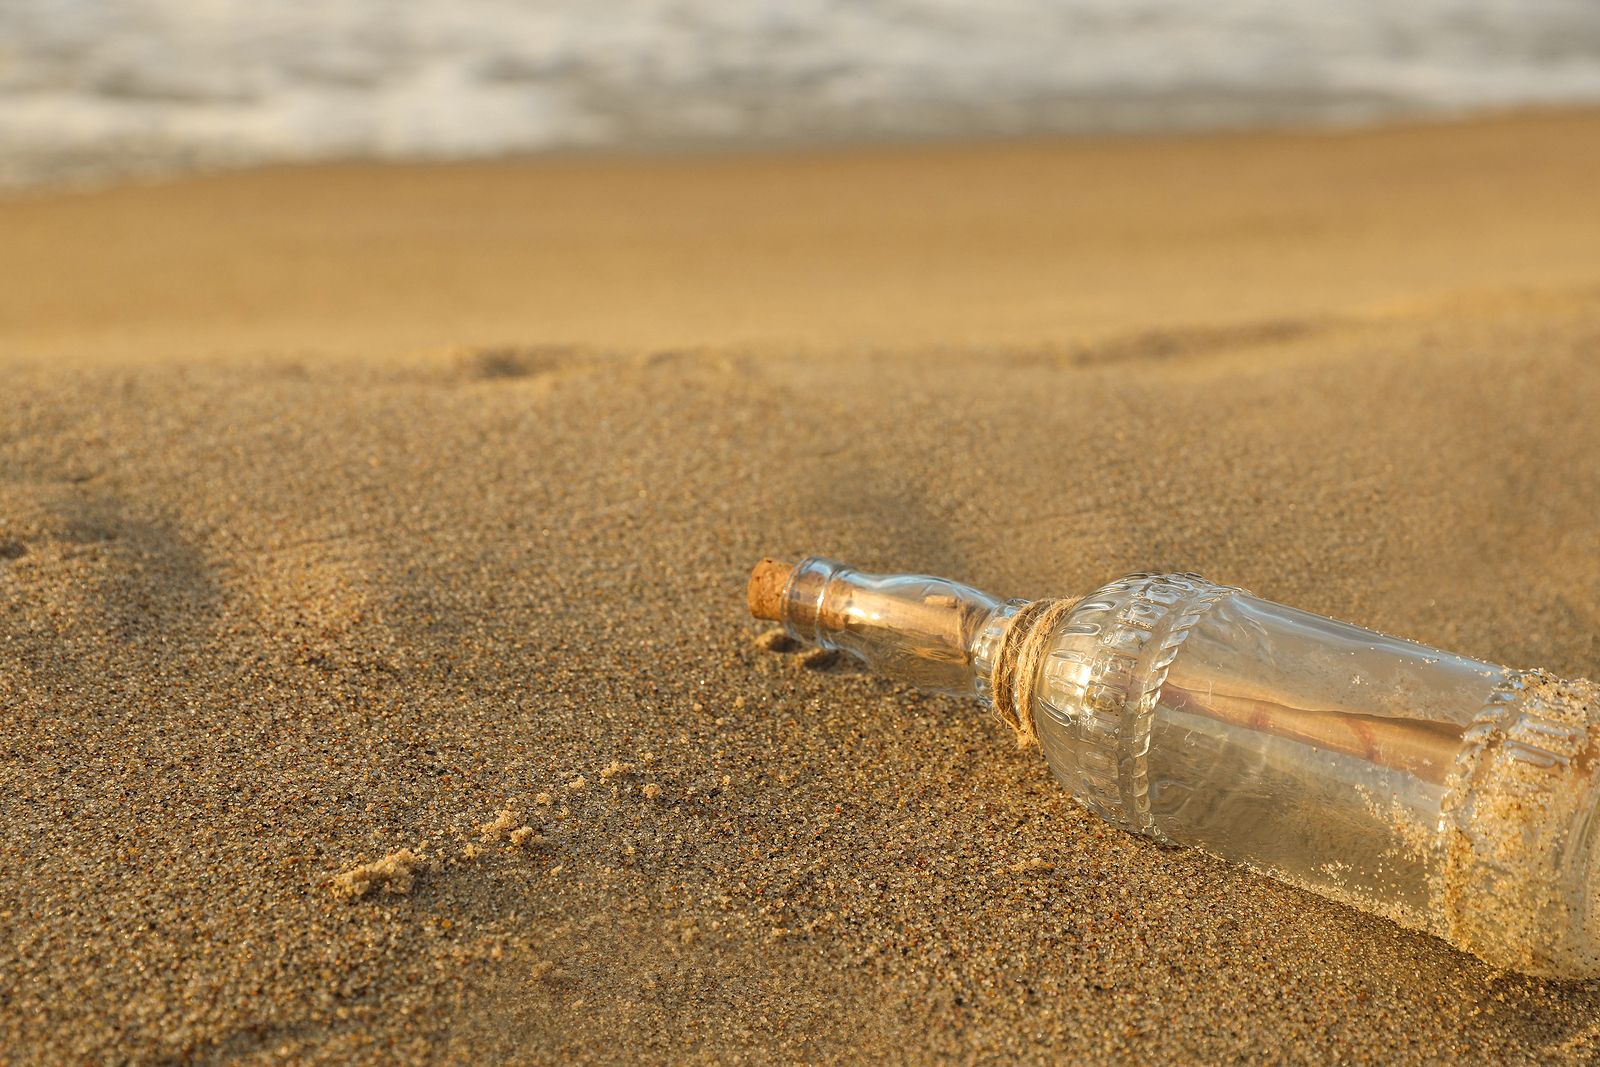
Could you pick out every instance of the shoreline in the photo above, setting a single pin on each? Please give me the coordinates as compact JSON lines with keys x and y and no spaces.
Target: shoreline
{"x":667,"y":150}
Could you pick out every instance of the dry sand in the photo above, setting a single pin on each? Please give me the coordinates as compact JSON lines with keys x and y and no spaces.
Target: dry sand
{"x":354,"y":510}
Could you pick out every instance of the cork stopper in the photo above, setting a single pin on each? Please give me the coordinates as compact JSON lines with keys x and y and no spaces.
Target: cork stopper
{"x":767,"y":583}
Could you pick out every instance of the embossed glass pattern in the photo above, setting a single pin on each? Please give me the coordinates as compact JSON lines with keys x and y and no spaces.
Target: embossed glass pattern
{"x":1307,"y":748}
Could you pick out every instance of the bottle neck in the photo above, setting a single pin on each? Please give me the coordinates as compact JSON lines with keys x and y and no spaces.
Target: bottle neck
{"x":936,"y":634}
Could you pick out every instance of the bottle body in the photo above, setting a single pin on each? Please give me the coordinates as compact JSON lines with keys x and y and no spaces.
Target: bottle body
{"x":1365,"y":768}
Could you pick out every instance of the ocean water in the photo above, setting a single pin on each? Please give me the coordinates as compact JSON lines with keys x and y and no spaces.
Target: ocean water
{"x":92,"y":88}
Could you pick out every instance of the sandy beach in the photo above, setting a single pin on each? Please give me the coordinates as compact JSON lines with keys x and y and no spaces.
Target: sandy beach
{"x":359,"y":511}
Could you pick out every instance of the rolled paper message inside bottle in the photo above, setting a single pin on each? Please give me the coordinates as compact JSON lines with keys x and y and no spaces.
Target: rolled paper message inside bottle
{"x":1453,"y":796}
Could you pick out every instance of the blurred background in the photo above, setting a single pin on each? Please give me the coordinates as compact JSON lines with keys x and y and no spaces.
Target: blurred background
{"x":91,"y":89}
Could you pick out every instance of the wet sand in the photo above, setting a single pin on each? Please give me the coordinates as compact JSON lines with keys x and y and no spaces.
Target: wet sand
{"x":346,"y":511}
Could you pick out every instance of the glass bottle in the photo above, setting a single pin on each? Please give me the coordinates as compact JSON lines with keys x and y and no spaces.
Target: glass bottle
{"x":1451,"y":795}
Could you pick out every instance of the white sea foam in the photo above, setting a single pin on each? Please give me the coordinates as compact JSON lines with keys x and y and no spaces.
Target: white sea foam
{"x":89,"y":87}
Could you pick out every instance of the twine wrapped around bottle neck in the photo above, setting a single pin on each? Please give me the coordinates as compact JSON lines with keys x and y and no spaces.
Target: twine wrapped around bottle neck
{"x":1016,"y":666}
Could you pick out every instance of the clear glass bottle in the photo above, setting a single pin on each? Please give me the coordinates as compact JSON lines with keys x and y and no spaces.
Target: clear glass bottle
{"x":1453,"y":796}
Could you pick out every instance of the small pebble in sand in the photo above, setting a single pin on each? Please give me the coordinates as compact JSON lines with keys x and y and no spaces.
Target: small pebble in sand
{"x":472,"y":852}
{"x":394,"y":873}
{"x":544,"y":799}
{"x":522,"y":837}
{"x":1029,"y":866}
{"x":817,"y":659}
{"x":776,"y":641}
{"x":578,"y":782}
{"x":504,"y":822}
{"x":617,"y":767}
{"x":651,"y":791}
